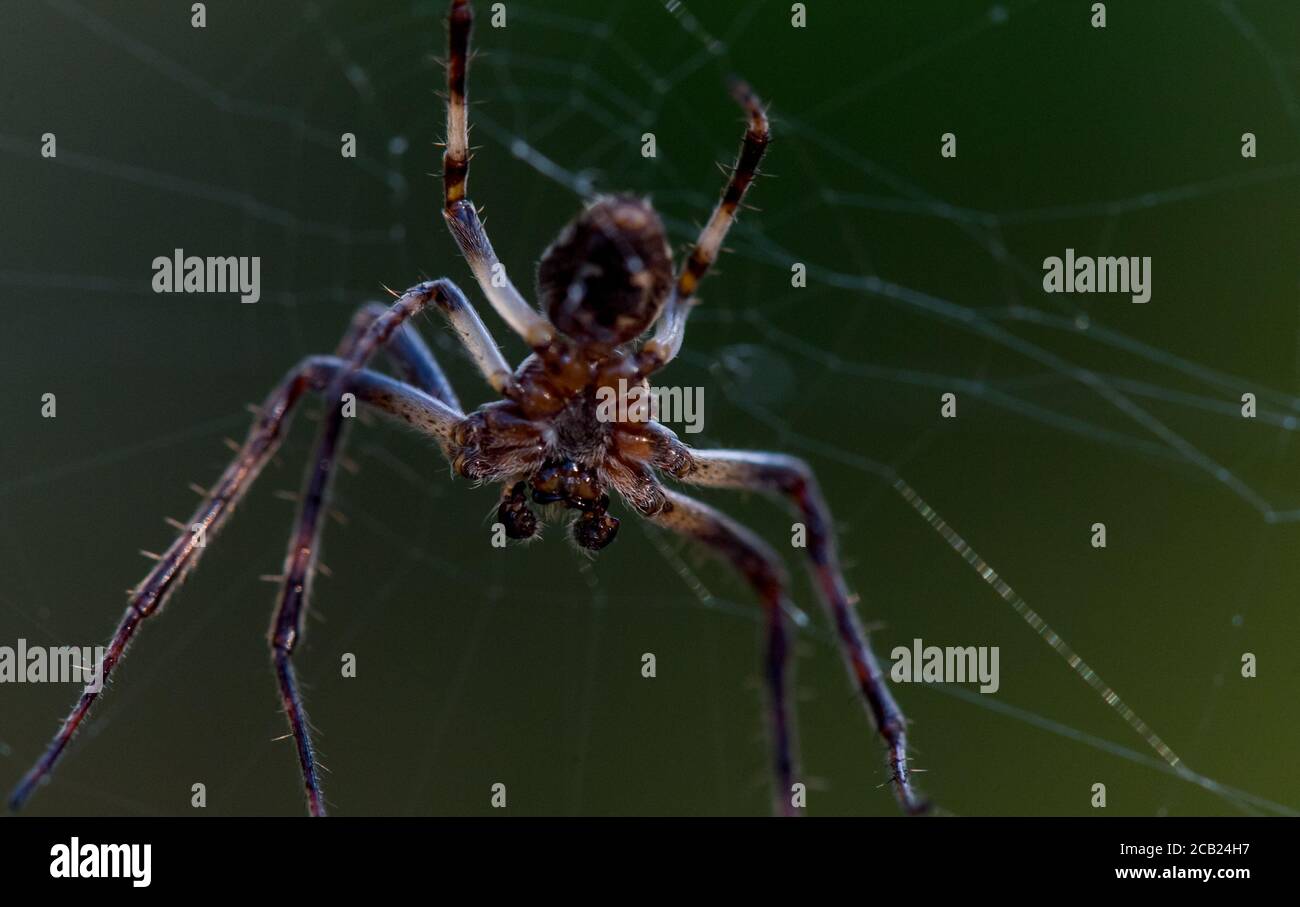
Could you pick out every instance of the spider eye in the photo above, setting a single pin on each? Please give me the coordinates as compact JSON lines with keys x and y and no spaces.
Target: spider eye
{"x":607,"y":276}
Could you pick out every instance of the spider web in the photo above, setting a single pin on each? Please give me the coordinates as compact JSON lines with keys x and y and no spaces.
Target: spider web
{"x":523,"y":666}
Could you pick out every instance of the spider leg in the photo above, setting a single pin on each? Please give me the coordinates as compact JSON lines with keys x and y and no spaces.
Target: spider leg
{"x":477,"y":340}
{"x":263,"y":440}
{"x":762,"y":569}
{"x":300,"y":560}
{"x":793,"y":479}
{"x":415,"y":362}
{"x":408,"y":354}
{"x":663,"y":347}
{"x":459,"y":212}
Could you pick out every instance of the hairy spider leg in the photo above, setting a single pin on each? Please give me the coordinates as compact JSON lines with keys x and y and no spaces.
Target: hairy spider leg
{"x":304,"y":543}
{"x":409,"y":356}
{"x":663,"y":347}
{"x":477,"y":340}
{"x":434,"y":406}
{"x":792,"y":479}
{"x":761,"y":568}
{"x":459,"y":212}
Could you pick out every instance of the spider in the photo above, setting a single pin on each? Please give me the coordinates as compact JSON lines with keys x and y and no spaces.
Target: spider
{"x":604,"y":283}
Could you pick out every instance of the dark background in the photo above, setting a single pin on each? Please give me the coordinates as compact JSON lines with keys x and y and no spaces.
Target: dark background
{"x":478,"y":665}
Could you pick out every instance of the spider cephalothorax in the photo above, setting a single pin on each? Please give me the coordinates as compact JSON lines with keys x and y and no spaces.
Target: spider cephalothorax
{"x":547,"y":444}
{"x":605,"y":281}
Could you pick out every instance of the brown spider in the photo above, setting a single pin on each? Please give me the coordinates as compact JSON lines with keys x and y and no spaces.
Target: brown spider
{"x":603,"y":283}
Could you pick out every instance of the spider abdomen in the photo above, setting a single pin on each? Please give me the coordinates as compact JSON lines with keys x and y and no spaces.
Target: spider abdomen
{"x":604,"y":280}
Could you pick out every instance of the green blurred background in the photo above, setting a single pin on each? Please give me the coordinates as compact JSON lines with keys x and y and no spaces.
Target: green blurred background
{"x":522,"y":666}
